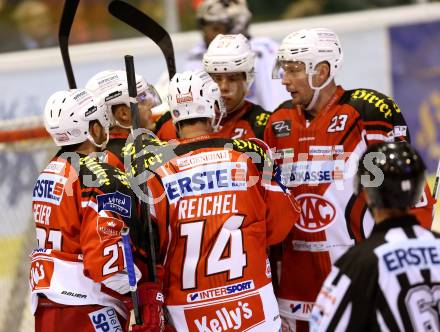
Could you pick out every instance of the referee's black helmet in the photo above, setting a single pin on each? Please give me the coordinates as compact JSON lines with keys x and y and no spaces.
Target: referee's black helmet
{"x":403,"y":175}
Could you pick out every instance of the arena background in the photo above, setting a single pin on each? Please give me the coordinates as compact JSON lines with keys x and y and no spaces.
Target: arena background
{"x":394,"y":50}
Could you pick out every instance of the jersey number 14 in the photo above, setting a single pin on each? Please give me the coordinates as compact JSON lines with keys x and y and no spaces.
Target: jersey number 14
{"x":230,"y":234}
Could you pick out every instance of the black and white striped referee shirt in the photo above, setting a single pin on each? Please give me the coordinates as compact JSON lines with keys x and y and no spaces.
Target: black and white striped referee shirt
{"x":389,"y":282}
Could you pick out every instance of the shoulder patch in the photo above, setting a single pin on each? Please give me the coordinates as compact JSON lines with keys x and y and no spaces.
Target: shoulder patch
{"x":366,"y":100}
{"x":115,"y":202}
{"x":257,"y":118}
{"x":282,"y":128}
{"x":251,"y":148}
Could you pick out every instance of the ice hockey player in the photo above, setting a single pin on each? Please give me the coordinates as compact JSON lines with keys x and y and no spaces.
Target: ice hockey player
{"x":112,"y":86}
{"x":318,"y":143}
{"x":217,"y":217}
{"x":389,"y":281}
{"x":233,"y":17}
{"x":230,"y":62}
{"x":80,"y":205}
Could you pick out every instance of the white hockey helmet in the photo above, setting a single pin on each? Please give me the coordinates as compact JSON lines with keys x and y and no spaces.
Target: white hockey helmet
{"x":234,"y":14}
{"x":230,"y":54}
{"x":67,"y":115}
{"x":193,"y":94}
{"x":310,"y":46}
{"x":112,"y":86}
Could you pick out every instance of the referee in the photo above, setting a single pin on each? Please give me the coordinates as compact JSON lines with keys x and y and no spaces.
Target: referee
{"x":391,"y":281}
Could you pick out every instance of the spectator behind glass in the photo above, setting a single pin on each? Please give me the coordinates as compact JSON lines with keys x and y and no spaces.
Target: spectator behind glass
{"x":35,"y":24}
{"x":233,"y":17}
{"x":8,"y":31}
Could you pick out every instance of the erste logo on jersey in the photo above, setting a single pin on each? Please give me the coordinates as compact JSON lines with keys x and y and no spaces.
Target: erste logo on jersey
{"x":396,"y":257}
{"x":312,"y":172}
{"x":228,"y":290}
{"x":237,"y":315}
{"x":317,"y":213}
{"x":49,"y":188}
{"x":227,"y":176}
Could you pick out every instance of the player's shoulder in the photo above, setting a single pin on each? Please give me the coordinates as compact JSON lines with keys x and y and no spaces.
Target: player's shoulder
{"x":370,"y":104}
{"x":256,"y":115}
{"x":162,"y":120}
{"x":250,"y":146}
{"x":285,"y":105}
{"x":255,"y":148}
{"x":361,"y":256}
{"x":282,"y":112}
{"x":95,"y":173}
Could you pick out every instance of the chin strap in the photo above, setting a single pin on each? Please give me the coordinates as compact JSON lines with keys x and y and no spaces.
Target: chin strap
{"x":117,"y":123}
{"x":216,"y":126}
{"x":103,"y":144}
{"x":316,"y":89}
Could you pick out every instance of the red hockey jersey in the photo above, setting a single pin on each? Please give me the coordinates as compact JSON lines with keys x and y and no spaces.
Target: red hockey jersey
{"x":80,"y":206}
{"x":319,"y":159}
{"x":247,"y":122}
{"x":216,"y":219}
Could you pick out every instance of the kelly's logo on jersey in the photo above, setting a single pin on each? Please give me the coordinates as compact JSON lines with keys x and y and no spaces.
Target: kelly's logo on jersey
{"x":227,"y":176}
{"x":237,"y":315}
{"x":282,"y":128}
{"x":316,"y":213}
{"x":213,"y":293}
{"x":115,"y":202}
{"x":49,"y":188}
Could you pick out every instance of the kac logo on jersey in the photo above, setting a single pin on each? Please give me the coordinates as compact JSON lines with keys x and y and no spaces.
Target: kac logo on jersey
{"x":49,"y":188}
{"x":41,"y":272}
{"x":316,"y":213}
{"x":115,"y":202}
{"x":105,"y":320}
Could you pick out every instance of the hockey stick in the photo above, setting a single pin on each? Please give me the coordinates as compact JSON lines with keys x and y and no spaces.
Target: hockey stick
{"x":145,"y":209}
{"x":436,"y":190}
{"x":69,"y":11}
{"x":147,"y":26}
{"x":128,"y":255}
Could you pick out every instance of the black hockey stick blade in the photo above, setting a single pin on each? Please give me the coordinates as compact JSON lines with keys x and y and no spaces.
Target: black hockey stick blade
{"x":147,"y":26}
{"x":69,"y":11}
{"x":142,"y":226}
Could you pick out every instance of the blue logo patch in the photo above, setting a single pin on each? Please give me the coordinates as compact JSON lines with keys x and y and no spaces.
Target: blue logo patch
{"x":105,"y":320}
{"x":115,"y":202}
{"x":295,"y":307}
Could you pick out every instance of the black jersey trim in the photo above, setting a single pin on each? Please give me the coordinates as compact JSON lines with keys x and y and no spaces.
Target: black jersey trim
{"x":162,"y":120}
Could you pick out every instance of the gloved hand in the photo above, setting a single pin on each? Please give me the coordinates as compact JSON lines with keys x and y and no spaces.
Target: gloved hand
{"x":151,"y":303}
